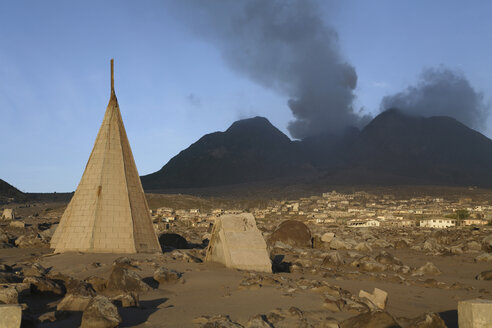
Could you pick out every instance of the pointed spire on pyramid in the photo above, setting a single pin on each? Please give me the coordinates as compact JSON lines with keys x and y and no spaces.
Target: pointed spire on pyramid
{"x":108,"y":212}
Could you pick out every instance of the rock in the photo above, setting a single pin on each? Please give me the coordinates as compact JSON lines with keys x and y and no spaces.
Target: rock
{"x":218,"y":321}
{"x":333,"y":304}
{"x":23,"y":290}
{"x":363,"y":247}
{"x":48,"y":233}
{"x":487,"y":244}
{"x":237,"y":243}
{"x":127,"y":300}
{"x":293,"y":233}
{"x":401,"y":244}
{"x":378,"y":297}
{"x":122,"y":279}
{"x":387,"y":258}
{"x":333,"y":258}
{"x":8,"y":295}
{"x":473,"y":246}
{"x":485,"y":257}
{"x":17,"y":224}
{"x":378,"y":319}
{"x":4,"y":238}
{"x":337,"y":244}
{"x":327,"y":237}
{"x":475,"y":313}
{"x":79,"y":287}
{"x":428,"y":269}
{"x":368,"y":264}
{"x":11,"y":316}
{"x":30,"y":241}
{"x":74,"y":302}
{"x":42,"y":285}
{"x":165,"y":276}
{"x":258,"y":321}
{"x":173,"y":240}
{"x":456,"y":250}
{"x":8,"y":214}
{"x":36,"y":270}
{"x":99,"y":284}
{"x":485,"y":275}
{"x":8,"y":277}
{"x":427,"y":320}
{"x":100,"y":313}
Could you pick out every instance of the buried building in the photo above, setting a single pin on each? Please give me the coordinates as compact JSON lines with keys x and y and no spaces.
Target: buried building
{"x":237,"y":243}
{"x":108,"y":212}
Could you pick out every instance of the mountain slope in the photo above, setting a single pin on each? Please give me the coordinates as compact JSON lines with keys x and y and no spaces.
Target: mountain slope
{"x":249,"y":150}
{"x":8,"y":192}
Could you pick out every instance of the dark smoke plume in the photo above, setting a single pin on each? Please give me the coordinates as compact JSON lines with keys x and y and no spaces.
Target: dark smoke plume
{"x":283,"y":45}
{"x":442,"y":92}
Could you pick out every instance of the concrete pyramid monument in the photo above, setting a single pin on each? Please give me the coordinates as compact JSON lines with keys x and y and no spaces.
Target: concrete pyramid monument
{"x":108,"y":212}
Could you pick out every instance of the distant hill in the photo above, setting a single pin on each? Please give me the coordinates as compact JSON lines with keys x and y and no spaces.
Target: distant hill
{"x":394,"y":148}
{"x":10,"y":193}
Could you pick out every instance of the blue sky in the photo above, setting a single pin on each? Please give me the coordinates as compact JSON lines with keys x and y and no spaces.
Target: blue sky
{"x":174,"y":86}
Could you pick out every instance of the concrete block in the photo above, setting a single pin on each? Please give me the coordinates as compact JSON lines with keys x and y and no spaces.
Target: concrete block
{"x":476,"y":313}
{"x":10,"y":316}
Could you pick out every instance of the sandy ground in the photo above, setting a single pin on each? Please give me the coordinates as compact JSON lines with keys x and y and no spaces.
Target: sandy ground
{"x":210,"y":289}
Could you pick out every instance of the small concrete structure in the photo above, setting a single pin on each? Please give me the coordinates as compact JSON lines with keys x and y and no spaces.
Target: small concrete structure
{"x":8,"y":214}
{"x":476,"y":313}
{"x":378,"y":297}
{"x":237,"y":243}
{"x":11,"y":315}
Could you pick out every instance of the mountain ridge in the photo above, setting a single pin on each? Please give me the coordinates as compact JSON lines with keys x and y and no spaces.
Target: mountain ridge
{"x":393,"y":148}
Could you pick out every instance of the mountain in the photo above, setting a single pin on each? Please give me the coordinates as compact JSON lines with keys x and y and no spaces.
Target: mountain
{"x":8,"y":193}
{"x":249,"y":150}
{"x":437,"y":150}
{"x":394,"y":148}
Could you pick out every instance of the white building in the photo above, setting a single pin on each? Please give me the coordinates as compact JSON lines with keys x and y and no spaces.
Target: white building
{"x":438,"y":223}
{"x":363,"y":224}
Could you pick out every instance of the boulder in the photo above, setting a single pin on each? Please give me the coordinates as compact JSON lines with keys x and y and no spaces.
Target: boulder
{"x":333,"y":258}
{"x":17,"y":224}
{"x":485,"y":257}
{"x":426,"y":320}
{"x":476,"y":313}
{"x":74,"y":302}
{"x":122,"y":279}
{"x":130,"y":299}
{"x":473,"y":246}
{"x":36,"y":270}
{"x":339,"y":244}
{"x":43,"y":285}
{"x":8,"y":214}
{"x":484,"y":275}
{"x":165,"y":276}
{"x":8,"y":295}
{"x":258,"y":321}
{"x":377,"y":319}
{"x":387,"y":258}
{"x":378,"y":297}
{"x":173,"y":240}
{"x":11,"y":316}
{"x":100,"y":313}
{"x":327,"y":237}
{"x":293,"y":233}
{"x":428,"y":269}
{"x":363,"y":247}
{"x":487,"y":244}
{"x":237,"y":243}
